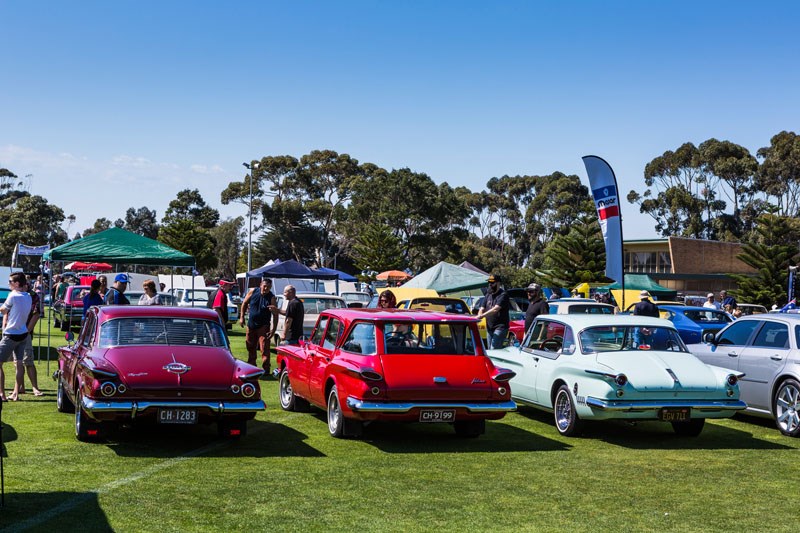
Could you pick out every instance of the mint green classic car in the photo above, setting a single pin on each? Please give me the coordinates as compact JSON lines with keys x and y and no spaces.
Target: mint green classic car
{"x":597,"y":367}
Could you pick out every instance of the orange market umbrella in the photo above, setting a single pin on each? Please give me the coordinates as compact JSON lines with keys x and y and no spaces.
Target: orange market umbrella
{"x":393,"y":275}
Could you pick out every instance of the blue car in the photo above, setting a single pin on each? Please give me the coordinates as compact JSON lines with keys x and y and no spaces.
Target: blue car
{"x":693,"y":323}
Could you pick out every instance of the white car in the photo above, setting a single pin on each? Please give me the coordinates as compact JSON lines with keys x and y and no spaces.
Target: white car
{"x":574,"y":306}
{"x":198,"y":297}
{"x":313,"y":304}
{"x":766,"y":349}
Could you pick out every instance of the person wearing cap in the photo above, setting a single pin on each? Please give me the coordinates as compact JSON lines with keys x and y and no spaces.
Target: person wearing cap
{"x":728,"y":302}
{"x":710,"y":303}
{"x":537,"y":306}
{"x":116,"y":294}
{"x":219,"y":300}
{"x":261,"y":323}
{"x":495,"y":309}
{"x":645,"y":307}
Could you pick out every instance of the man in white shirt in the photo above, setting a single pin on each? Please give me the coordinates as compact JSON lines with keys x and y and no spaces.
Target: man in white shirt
{"x":15,"y":313}
{"x":710,"y":303}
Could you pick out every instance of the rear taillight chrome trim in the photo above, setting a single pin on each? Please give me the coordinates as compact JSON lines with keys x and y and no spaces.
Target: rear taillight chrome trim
{"x":503,"y":375}
{"x":370,"y":374}
{"x":248,"y":390}
{"x":108,"y":389}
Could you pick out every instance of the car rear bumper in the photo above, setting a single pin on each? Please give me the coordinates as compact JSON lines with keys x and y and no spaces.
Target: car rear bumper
{"x":357,"y":405}
{"x":134,"y":408}
{"x":653,"y":405}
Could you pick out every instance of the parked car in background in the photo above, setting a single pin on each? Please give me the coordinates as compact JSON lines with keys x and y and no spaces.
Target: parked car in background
{"x":355,"y":299}
{"x":314,"y":303}
{"x":364,"y":365}
{"x":661,"y":303}
{"x":158,"y":364}
{"x":599,"y":366}
{"x":693,"y":323}
{"x":442,"y":304}
{"x":565,"y":306}
{"x":187,"y":297}
{"x":166,"y":298}
{"x":68,"y":311}
{"x":766,"y":349}
{"x":751,"y":309}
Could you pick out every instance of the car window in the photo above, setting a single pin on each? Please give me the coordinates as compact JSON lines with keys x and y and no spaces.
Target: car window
{"x":625,"y":338}
{"x":445,"y":305}
{"x":332,"y":334}
{"x":703,"y":317}
{"x":548,"y":336}
{"x":433,"y":338}
{"x":316,"y":337}
{"x":361,"y":339}
{"x":737,"y":333}
{"x":88,"y":329}
{"x":77,"y":293}
{"x":164,"y":331}
{"x":315,"y":306}
{"x":590,"y":309}
{"x":772,"y":335}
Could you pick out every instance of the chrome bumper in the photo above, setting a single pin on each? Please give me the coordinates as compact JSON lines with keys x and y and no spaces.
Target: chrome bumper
{"x":135,"y":407}
{"x":388,"y":407}
{"x":697,"y":405}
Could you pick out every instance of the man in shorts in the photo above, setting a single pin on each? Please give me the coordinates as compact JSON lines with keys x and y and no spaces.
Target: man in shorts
{"x":15,"y":313}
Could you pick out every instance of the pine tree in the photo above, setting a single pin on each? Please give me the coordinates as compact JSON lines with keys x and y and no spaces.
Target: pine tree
{"x":577,"y":257}
{"x":378,"y":249}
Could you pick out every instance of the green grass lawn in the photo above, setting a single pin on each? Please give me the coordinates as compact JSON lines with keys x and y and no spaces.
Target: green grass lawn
{"x":288,"y":474}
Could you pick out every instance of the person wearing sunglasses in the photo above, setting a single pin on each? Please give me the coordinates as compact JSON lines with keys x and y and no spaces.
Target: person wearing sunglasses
{"x":495,"y":309}
{"x":387,"y":300}
{"x":15,"y":311}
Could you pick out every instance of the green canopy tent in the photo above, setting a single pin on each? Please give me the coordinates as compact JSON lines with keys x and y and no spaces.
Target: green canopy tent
{"x":643,"y":282}
{"x":447,"y":278}
{"x":118,"y":246}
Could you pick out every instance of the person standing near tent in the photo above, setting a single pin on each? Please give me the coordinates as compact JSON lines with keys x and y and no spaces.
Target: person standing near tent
{"x":95,"y":297}
{"x":116,"y":294}
{"x":15,"y":311}
{"x":645,"y":307}
{"x":495,"y":309}
{"x":261,"y":323}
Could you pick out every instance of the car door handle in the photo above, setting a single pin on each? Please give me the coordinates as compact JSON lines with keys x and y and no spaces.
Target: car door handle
{"x":733,"y":354}
{"x":776,"y":357}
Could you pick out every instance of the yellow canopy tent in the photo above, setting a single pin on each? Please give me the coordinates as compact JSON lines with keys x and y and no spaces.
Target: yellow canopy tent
{"x":631,"y":297}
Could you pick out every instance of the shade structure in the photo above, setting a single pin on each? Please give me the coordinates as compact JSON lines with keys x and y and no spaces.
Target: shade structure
{"x":643,"y":282}
{"x":342,"y":276}
{"x":94,"y":267}
{"x":116,"y":245}
{"x":446,"y":278}
{"x":393,"y":275}
{"x":290,"y":269}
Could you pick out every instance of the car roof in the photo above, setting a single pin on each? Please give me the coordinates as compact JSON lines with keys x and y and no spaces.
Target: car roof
{"x":317,"y":295}
{"x":582,"y":321}
{"x":394,"y":315}
{"x":679,"y":308}
{"x":108,"y":312}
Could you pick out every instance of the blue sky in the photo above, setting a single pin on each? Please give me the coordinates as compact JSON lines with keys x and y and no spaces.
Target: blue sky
{"x":138,"y":100}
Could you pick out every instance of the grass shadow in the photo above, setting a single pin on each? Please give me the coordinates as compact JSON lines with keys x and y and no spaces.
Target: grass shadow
{"x":48,"y":511}
{"x":7,"y":434}
{"x":401,"y":437}
{"x":263,"y":439}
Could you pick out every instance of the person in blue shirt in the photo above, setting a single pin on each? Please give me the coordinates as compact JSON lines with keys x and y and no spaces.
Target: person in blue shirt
{"x":93,"y":298}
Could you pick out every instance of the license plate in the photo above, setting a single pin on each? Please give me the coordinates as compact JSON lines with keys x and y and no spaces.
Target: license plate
{"x":675,"y":414}
{"x":177,"y":416}
{"x":437,"y":415}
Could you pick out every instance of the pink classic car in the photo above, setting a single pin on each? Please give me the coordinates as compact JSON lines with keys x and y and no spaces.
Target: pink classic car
{"x":363,"y":365}
{"x":166,"y":365}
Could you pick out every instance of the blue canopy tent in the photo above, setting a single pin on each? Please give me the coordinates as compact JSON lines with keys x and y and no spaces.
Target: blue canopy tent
{"x":290,"y":269}
{"x":343,"y":276}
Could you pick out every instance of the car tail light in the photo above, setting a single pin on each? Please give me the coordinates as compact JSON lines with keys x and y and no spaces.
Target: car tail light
{"x":122,"y":388}
{"x":502,"y":391}
{"x":732,"y":379}
{"x":621,"y":380}
{"x":235,"y":389}
{"x":375,"y":391}
{"x":503,"y":375}
{"x":370,"y":374}
{"x":248,"y":390}
{"x":108,"y":389}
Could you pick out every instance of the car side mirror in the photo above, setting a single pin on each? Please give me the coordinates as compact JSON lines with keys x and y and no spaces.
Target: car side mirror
{"x":710,"y":338}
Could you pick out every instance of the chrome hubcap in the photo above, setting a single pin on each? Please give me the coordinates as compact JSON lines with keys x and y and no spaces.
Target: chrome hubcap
{"x":333,"y":413}
{"x":286,"y":389}
{"x":563,"y":410}
{"x":787,"y":408}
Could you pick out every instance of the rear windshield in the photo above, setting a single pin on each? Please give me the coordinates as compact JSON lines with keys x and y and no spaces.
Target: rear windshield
{"x":434,"y":338}
{"x":77,"y":293}
{"x":163,"y":331}
{"x":592,"y":309}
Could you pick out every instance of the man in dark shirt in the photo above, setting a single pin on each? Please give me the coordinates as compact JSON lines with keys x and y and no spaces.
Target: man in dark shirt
{"x":261,"y":304}
{"x":116,"y":294}
{"x":728,"y":302}
{"x":537,"y":306}
{"x":293,"y":325}
{"x":645,"y":307}
{"x":495,"y":309}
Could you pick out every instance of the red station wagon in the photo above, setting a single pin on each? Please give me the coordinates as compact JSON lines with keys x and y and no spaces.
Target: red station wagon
{"x":362,"y":365}
{"x":166,"y":365}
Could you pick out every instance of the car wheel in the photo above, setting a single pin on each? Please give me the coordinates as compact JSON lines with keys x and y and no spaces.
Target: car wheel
{"x":470,"y":428}
{"x":63,"y":403}
{"x":232,"y":429}
{"x":787,"y":405}
{"x":692,"y":428}
{"x":567,"y":421}
{"x":335,"y":416}
{"x":85,"y":429}
{"x":289,"y":402}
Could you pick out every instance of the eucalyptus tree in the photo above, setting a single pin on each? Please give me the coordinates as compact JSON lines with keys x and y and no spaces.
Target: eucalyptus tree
{"x":186,"y":227}
{"x":779,"y":173}
{"x":141,"y":221}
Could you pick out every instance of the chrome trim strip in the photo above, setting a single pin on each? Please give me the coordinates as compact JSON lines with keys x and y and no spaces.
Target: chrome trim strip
{"x":135,"y":407}
{"x":599,"y":373}
{"x":396,"y":407}
{"x":252,"y":375}
{"x":648,"y":405}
